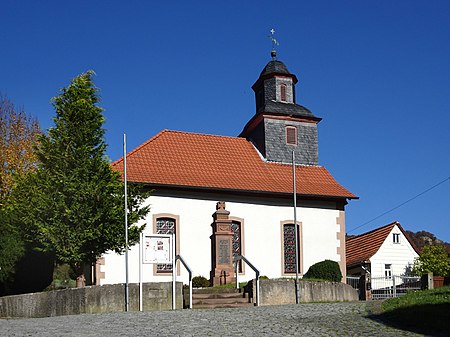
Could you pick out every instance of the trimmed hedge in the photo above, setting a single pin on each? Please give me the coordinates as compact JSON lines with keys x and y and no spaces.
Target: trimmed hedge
{"x":200,"y":282}
{"x":326,"y":270}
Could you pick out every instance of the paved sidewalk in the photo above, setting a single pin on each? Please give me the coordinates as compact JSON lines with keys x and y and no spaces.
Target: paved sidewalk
{"x":314,"y":319}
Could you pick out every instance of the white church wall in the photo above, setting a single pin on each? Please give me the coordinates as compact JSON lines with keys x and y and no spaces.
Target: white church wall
{"x":262,"y":238}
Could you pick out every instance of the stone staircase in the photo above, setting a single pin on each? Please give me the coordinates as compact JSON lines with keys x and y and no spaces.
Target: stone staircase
{"x":209,"y":298}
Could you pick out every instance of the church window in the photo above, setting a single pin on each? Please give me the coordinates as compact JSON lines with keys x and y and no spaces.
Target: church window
{"x":283,"y":92}
{"x":291,"y":135}
{"x":166,"y":224}
{"x":289,"y":250}
{"x":236,"y":228}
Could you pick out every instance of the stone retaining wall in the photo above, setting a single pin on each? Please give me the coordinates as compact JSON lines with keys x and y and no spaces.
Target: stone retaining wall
{"x":273,"y":292}
{"x":93,"y":299}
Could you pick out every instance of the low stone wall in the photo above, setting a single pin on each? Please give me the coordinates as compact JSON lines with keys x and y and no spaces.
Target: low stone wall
{"x":93,"y":299}
{"x":273,"y":292}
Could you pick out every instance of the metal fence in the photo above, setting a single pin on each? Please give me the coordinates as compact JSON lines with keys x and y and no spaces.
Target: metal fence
{"x":394,"y":286}
{"x":353,"y":281}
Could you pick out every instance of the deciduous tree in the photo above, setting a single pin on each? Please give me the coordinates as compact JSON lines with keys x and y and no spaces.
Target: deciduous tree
{"x":18,"y":134}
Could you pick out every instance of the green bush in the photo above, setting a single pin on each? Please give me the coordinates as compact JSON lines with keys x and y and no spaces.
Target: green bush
{"x":326,"y":270}
{"x":200,"y":282}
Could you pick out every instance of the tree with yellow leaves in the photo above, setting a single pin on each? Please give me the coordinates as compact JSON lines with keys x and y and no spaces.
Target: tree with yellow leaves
{"x":18,"y":135}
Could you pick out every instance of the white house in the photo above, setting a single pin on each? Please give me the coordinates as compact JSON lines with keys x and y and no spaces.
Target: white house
{"x":384,"y":252}
{"x":224,"y":196}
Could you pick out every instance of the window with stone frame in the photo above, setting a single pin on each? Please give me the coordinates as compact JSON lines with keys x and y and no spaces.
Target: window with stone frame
{"x":236,"y":241}
{"x":165,"y":226}
{"x":289,"y":252}
{"x":291,"y":135}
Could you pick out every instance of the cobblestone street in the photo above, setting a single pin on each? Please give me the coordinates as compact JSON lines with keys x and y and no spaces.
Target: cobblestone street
{"x":315,"y":319}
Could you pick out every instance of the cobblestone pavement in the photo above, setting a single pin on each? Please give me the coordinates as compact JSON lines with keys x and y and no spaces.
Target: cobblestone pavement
{"x":314,"y":319}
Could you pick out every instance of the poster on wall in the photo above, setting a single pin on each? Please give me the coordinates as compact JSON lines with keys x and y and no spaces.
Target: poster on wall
{"x":157,"y":249}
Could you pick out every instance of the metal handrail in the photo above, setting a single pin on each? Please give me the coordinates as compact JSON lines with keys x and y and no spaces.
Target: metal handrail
{"x":178,"y":257}
{"x":241,"y":257}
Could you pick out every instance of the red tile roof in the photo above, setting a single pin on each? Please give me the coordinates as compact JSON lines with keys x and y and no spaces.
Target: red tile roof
{"x":183,"y":159}
{"x":362,"y":247}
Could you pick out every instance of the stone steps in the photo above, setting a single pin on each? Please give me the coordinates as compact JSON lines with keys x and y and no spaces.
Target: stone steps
{"x":209,"y":298}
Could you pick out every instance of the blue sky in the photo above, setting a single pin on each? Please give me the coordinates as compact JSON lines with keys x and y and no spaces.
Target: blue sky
{"x":377,"y":72}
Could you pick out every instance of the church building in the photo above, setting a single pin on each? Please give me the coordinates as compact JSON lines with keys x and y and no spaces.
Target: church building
{"x":225,"y":196}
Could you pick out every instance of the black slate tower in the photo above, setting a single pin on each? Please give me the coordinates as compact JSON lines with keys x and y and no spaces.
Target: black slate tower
{"x":280,"y":125}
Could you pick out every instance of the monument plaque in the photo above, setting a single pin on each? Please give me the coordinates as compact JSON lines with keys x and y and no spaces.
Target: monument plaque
{"x":222,"y":271}
{"x":224,"y":252}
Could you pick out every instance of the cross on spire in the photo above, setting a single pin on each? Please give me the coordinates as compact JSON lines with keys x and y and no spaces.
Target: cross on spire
{"x":274,"y":43}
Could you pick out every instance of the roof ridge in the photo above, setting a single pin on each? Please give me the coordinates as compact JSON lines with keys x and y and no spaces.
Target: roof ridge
{"x":159,"y":134}
{"x":141,"y":146}
{"x":374,"y":230}
{"x":290,"y":164}
{"x":206,"y":134}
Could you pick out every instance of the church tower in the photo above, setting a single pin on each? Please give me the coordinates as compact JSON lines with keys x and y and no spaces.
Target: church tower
{"x":280,"y":125}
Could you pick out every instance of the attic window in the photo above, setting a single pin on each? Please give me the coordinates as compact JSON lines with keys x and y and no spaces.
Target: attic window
{"x":283,"y":92}
{"x":396,"y":237}
{"x":291,"y":135}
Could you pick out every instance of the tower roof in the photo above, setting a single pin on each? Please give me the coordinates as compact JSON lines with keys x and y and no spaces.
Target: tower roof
{"x":275,"y":67}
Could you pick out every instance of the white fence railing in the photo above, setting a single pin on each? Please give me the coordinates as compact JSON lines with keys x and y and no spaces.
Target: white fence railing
{"x":394,"y":286}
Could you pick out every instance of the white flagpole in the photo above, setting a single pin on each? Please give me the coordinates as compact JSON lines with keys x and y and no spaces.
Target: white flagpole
{"x":141,"y":246}
{"x":126,"y":220}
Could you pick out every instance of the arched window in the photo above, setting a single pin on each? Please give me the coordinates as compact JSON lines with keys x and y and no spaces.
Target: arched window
{"x":236,"y":228}
{"x":283,"y":92}
{"x":288,"y":241}
{"x":166,"y":224}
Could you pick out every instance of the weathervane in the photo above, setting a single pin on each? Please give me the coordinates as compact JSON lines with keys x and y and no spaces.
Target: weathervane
{"x":272,"y":38}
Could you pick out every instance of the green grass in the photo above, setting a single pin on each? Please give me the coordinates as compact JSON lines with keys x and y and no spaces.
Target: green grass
{"x":426,"y":311}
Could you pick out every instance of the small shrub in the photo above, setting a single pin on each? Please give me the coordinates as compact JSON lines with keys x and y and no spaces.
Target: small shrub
{"x":326,"y":270}
{"x":63,"y":277}
{"x":263,"y":277}
{"x":200,"y":282}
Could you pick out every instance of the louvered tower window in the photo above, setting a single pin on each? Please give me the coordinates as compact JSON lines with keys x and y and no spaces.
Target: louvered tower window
{"x":291,"y":135}
{"x":283,"y":92}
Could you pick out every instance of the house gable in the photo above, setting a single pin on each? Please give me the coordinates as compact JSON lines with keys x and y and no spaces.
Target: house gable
{"x":397,"y":251}
{"x":377,"y":248}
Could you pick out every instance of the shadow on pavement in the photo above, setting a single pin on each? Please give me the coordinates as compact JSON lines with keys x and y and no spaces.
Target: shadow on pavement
{"x":428,"y":319}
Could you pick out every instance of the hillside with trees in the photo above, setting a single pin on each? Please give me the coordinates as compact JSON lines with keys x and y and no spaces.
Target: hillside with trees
{"x":424,"y":238}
